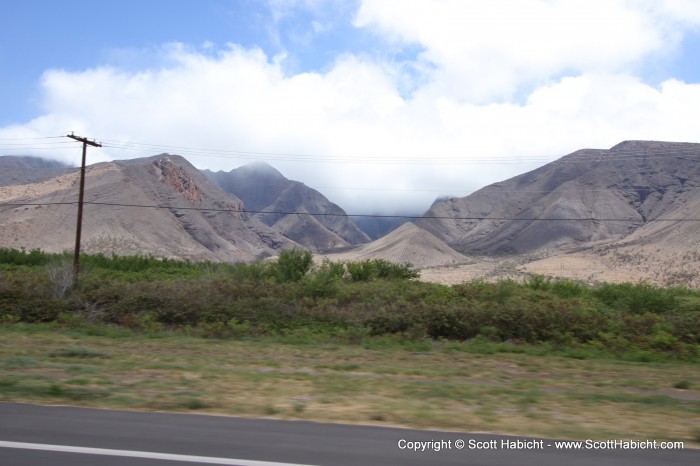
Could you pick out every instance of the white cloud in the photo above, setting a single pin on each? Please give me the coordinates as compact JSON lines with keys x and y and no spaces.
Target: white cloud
{"x":682,"y":11}
{"x":284,"y":14}
{"x":487,"y":49}
{"x":578,"y":62}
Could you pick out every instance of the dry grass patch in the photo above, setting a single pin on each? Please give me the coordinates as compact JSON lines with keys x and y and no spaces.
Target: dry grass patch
{"x":440,"y":388}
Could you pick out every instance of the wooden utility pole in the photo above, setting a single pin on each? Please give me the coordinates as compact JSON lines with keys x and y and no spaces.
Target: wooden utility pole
{"x":81,"y":197}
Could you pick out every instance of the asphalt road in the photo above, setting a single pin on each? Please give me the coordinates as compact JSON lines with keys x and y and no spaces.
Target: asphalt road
{"x":41,"y":435}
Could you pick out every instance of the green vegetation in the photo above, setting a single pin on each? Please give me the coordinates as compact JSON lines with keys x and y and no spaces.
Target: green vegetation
{"x":364,"y":302}
{"x":351,"y":342}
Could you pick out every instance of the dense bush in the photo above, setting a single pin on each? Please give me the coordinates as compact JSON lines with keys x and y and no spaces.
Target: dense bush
{"x":352,"y":298}
{"x":637,"y":298}
{"x":373,"y":269}
{"x":292,"y":265}
{"x":32,"y":258}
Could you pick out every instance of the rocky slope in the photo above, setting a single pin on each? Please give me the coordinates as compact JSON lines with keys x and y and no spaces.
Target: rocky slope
{"x":161,"y":206}
{"x":628,"y":192}
{"x":264,"y":189}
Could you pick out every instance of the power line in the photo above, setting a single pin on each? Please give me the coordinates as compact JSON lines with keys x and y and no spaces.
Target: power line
{"x":432,"y":159}
{"x":279,"y":212}
{"x":53,"y":146}
{"x":446,"y":191}
{"x":42,"y":143}
{"x":31,"y":139}
{"x":378,"y":160}
{"x":436,"y":190}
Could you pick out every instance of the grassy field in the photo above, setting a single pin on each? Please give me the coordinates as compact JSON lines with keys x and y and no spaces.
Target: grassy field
{"x":382,"y":380}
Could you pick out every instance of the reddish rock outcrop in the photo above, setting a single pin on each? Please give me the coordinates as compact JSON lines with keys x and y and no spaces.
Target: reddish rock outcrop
{"x":179,"y":179}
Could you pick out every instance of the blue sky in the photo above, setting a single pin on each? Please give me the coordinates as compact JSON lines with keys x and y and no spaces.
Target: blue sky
{"x":37,"y":35}
{"x":383,"y":105}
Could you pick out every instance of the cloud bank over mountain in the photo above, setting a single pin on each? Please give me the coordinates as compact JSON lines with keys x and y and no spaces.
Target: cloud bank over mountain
{"x":419,"y":99}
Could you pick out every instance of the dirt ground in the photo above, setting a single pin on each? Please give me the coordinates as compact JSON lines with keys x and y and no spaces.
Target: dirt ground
{"x":666,"y":267}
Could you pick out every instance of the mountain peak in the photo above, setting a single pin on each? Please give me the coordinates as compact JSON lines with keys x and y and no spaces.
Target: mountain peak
{"x":259,"y":168}
{"x":265,"y":190}
{"x":642,"y":147}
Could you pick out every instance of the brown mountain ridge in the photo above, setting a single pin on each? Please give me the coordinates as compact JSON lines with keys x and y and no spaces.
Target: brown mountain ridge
{"x":587,"y":196}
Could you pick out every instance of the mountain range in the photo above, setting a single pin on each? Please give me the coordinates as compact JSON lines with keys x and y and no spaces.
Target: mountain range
{"x":628,"y":213}
{"x":633,"y":209}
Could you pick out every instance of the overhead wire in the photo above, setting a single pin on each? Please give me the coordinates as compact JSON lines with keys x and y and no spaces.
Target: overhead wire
{"x":34,"y":148}
{"x":431,"y":159}
{"x":354,"y":158}
{"x":315,"y":158}
{"x":314,"y":214}
{"x":31,"y":139}
{"x":34,"y":143}
{"x":436,"y":190}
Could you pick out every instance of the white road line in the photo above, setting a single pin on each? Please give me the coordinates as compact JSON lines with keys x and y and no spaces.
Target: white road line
{"x":140,"y":454}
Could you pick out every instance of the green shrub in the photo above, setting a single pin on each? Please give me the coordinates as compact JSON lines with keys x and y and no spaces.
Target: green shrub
{"x":453,"y":323}
{"x":569,"y":288}
{"x":330,"y":269}
{"x":392,"y":271}
{"x":361,"y":271}
{"x":292,"y":265}
{"x":324,"y":280}
{"x":682,"y":385}
{"x":35,"y":257}
{"x":372,"y":269}
{"x":27,"y":297}
{"x":538,"y":282}
{"x":636,"y":298}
